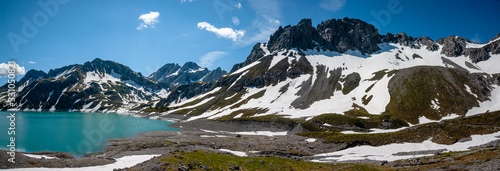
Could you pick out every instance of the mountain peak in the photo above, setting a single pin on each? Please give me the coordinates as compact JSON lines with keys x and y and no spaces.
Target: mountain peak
{"x":190,"y":65}
{"x":335,"y":35}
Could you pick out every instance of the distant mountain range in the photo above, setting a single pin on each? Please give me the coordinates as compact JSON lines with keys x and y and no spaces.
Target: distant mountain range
{"x":339,"y":66}
{"x":107,"y":86}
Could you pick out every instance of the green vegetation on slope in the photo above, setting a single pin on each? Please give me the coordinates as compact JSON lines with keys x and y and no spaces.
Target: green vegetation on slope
{"x":445,"y":132}
{"x":201,"y":160}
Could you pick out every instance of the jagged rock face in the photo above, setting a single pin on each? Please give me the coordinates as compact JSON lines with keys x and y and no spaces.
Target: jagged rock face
{"x":453,"y":45}
{"x":400,"y":38}
{"x":255,"y":55}
{"x":428,"y":42}
{"x":302,"y":36}
{"x":213,"y":75}
{"x":403,"y":39}
{"x":33,"y":75}
{"x":173,"y":74}
{"x":334,"y":35}
{"x":349,"y":34}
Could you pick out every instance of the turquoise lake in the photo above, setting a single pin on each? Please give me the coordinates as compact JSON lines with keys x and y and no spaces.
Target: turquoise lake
{"x":76,"y":133}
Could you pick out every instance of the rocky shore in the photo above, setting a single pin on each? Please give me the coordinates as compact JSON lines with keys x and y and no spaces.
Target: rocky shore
{"x":230,"y":137}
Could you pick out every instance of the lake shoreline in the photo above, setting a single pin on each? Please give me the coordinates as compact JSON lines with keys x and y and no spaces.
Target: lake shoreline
{"x":215,"y":136}
{"x":196,"y":136}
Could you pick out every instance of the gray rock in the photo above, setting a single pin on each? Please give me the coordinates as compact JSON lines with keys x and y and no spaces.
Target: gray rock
{"x":255,"y":55}
{"x":335,"y":35}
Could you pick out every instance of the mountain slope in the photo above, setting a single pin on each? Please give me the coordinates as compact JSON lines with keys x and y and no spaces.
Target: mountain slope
{"x":94,"y":86}
{"x":173,"y":74}
{"x":304,"y":72}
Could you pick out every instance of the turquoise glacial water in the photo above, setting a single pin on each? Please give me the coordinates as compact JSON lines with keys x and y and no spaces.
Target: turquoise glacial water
{"x":76,"y":133}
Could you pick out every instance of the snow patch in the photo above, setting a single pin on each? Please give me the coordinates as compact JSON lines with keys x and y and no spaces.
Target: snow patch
{"x":236,"y":153}
{"x":39,"y":156}
{"x":123,"y":162}
{"x":387,"y":152}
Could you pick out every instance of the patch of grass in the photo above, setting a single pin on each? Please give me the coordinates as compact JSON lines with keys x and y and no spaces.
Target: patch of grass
{"x":337,"y":119}
{"x":201,"y":160}
{"x":254,"y":96}
{"x":158,"y":109}
{"x":222,"y":102}
{"x":269,"y":118}
{"x":369,"y":88}
{"x":445,"y":132}
{"x":365,"y":100}
{"x":311,"y":126}
{"x":378,"y":75}
{"x":246,"y":113}
{"x":461,"y":158}
{"x":391,"y":73}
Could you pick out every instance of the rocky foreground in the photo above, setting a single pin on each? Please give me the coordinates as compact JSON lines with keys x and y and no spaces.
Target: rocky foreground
{"x":213,"y":145}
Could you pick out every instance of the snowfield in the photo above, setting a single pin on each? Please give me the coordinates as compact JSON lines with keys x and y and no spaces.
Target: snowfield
{"x":390,"y":152}
{"x":276,"y":102}
{"x":123,"y":162}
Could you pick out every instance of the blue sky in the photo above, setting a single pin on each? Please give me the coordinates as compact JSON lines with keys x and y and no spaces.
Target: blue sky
{"x":145,"y":35}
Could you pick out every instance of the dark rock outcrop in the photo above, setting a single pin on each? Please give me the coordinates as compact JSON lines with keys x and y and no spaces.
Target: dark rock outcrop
{"x":213,"y":75}
{"x":255,"y":55}
{"x":335,"y":35}
{"x":349,"y":34}
{"x":303,"y":36}
{"x":454,"y":46}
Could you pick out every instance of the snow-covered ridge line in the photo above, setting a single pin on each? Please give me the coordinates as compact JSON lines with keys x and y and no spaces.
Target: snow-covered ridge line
{"x":391,"y":57}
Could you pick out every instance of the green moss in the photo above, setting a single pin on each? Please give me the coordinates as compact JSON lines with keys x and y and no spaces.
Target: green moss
{"x":222,"y":102}
{"x":246,"y":113}
{"x":413,"y":91}
{"x":337,"y":119}
{"x":391,"y":73}
{"x":197,"y":160}
{"x":310,"y":126}
{"x":254,"y":96}
{"x":446,"y":132}
{"x":159,"y":109}
{"x":379,"y":75}
{"x":365,"y":100}
{"x":369,"y":88}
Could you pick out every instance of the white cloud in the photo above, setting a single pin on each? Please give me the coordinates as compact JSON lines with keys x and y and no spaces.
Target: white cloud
{"x":32,"y":62}
{"x":225,"y":32}
{"x":209,"y":58}
{"x":182,"y":1}
{"x":148,"y":20}
{"x":4,"y":69}
{"x":238,"y":5}
{"x":332,"y":5}
{"x":235,"y":20}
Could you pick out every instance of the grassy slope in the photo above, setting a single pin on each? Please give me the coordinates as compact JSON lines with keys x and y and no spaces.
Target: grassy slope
{"x":201,"y":160}
{"x":445,"y":132}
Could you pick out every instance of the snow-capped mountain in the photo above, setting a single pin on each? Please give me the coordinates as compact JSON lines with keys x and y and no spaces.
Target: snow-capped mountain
{"x":99,"y":85}
{"x":340,"y":66}
{"x":345,"y":65}
{"x":190,"y":72}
